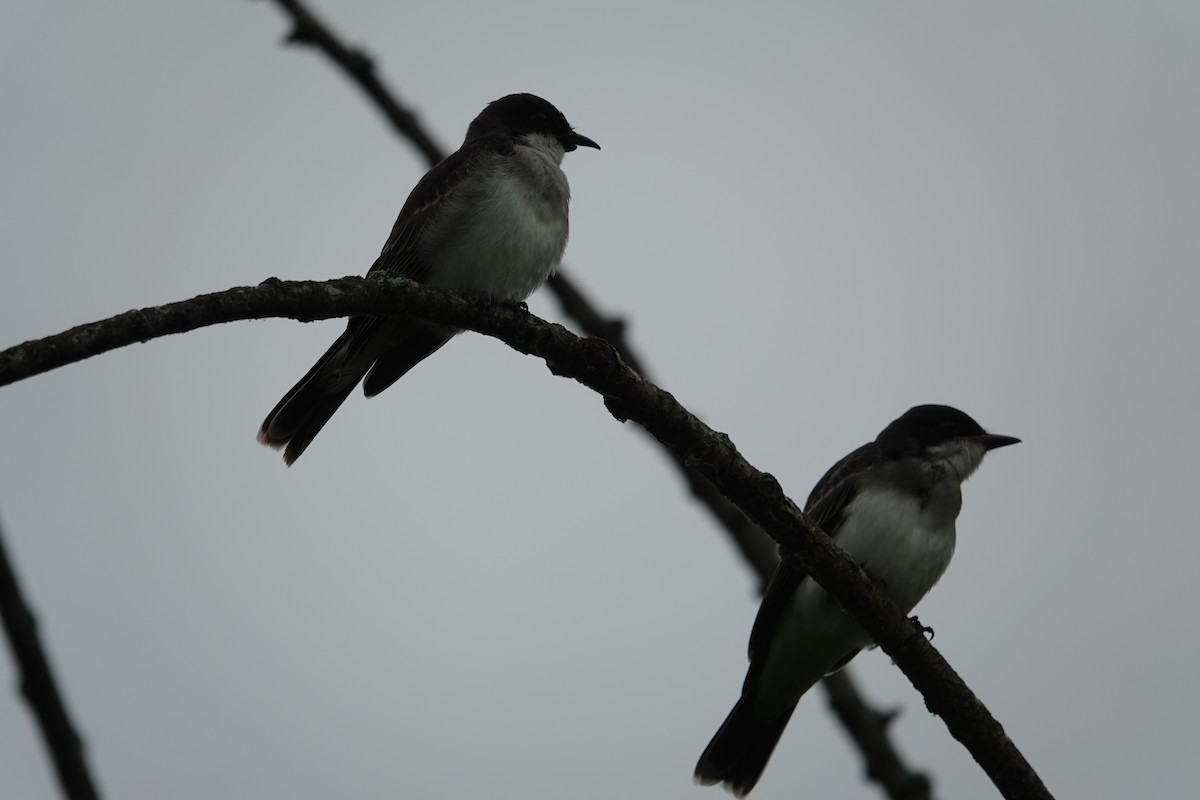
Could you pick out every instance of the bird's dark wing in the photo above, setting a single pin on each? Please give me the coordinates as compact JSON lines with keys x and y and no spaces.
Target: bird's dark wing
{"x":776,"y":600}
{"x":400,"y":254}
{"x":826,"y":504}
{"x":829,"y":498}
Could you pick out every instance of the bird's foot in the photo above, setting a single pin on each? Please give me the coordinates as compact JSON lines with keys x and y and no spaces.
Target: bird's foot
{"x":925,"y":630}
{"x":515,"y":305}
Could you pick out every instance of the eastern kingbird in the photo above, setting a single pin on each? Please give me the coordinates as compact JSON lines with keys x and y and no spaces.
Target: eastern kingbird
{"x":489,"y":220}
{"x":892,"y":505}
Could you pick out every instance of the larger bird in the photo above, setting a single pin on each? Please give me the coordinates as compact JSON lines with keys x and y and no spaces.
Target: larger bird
{"x":891,"y":504}
{"x":489,"y":220}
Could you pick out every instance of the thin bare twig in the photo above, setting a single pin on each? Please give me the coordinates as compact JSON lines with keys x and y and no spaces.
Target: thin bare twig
{"x":359,"y":67}
{"x":40,"y":689}
{"x":869,"y":730}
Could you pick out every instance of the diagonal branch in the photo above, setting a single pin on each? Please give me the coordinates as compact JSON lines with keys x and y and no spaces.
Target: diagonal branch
{"x":40,"y":689}
{"x":627,"y":396}
{"x":866,"y":726}
{"x":359,"y":67}
{"x":870,"y":731}
{"x":758,"y":551}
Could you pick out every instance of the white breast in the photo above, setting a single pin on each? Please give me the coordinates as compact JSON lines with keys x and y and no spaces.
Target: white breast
{"x":902,"y":531}
{"x":905,"y":544}
{"x":512,"y":225}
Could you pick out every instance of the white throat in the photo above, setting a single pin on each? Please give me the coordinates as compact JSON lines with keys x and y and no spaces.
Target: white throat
{"x":959,"y":457}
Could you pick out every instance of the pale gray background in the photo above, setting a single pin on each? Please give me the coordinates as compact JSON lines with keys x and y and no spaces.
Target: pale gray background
{"x":480,"y":585}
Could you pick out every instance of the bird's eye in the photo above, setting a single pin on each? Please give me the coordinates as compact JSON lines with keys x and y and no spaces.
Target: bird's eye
{"x":538,"y":118}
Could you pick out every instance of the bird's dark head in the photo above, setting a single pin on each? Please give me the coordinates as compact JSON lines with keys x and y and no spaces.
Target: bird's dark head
{"x":923,"y":429}
{"x":522,"y":114}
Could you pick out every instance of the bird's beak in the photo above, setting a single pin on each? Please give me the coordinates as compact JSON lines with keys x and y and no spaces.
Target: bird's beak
{"x":573,"y":140}
{"x":991,"y":441}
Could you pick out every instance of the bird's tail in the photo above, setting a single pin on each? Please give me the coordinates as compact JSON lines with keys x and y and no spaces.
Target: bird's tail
{"x":381,"y":349}
{"x":739,"y":752}
{"x":299,"y":416}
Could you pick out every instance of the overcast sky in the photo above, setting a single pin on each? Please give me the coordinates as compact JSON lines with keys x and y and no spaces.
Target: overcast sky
{"x":814,"y":216}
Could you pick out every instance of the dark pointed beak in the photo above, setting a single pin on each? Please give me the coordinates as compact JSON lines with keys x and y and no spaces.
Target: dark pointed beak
{"x":991,"y":441}
{"x":573,"y":140}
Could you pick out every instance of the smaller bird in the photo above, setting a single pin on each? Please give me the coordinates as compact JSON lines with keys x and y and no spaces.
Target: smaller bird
{"x":890,"y":504}
{"x":488,"y":220}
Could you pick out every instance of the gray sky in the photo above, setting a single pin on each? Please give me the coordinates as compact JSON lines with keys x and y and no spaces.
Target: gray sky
{"x":478,"y":584}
